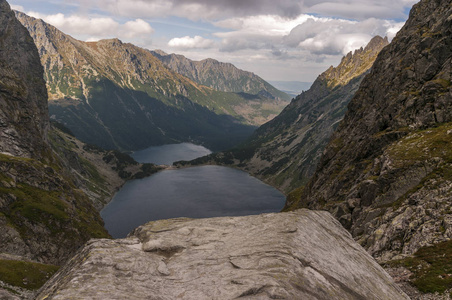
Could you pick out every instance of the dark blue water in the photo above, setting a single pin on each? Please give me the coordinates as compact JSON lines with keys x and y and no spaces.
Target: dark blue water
{"x":198,"y":192}
{"x":167,"y":154}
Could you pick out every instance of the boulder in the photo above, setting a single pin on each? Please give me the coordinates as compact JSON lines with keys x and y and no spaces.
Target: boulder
{"x":297,"y":255}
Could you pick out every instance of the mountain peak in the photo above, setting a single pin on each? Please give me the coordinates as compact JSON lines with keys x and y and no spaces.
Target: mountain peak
{"x":376,"y":43}
{"x":284,"y":151}
{"x":160,"y":52}
{"x":219,"y":75}
{"x":354,"y":63}
{"x":79,"y":75}
{"x":112,"y":41}
{"x":386,"y":163}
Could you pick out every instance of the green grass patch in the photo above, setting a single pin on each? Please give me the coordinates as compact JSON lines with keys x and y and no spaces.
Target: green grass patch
{"x":421,"y":146}
{"x":431,"y":267}
{"x":293,"y":199}
{"x":36,"y":201}
{"x":94,"y":174}
{"x":8,"y":158}
{"x":35,"y":205}
{"x":26,"y":275}
{"x":425,"y":144}
{"x":443,"y":82}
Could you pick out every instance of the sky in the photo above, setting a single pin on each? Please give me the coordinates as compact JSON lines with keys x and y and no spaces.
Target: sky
{"x":285,"y":40}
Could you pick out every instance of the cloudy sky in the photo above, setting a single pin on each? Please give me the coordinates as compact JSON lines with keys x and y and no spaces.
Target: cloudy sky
{"x":286,"y":40}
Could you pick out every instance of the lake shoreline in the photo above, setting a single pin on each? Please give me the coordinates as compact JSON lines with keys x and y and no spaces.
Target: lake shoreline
{"x":187,"y":191}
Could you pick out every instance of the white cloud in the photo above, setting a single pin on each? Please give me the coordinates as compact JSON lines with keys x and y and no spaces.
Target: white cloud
{"x":135,"y":28}
{"x":356,"y":10}
{"x":334,"y":37}
{"x":17,"y":7}
{"x":263,"y":24}
{"x":264,"y":36}
{"x":136,"y":8}
{"x":83,"y":25}
{"x":256,"y":32}
{"x":409,"y":3}
{"x":318,"y":36}
{"x":187,"y":42}
{"x":95,"y":28}
{"x":392,"y":28}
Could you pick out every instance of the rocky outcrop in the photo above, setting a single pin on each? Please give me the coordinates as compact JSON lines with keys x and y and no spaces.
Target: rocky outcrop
{"x":220,"y":76}
{"x":285,"y":151}
{"x":119,"y":96}
{"x":271,"y":256}
{"x":23,"y":97}
{"x":386,"y":172}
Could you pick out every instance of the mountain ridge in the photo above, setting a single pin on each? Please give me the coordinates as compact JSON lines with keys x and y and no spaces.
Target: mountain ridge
{"x":219,"y":75}
{"x":284,"y":152}
{"x":119,"y":96}
{"x":384,"y":174}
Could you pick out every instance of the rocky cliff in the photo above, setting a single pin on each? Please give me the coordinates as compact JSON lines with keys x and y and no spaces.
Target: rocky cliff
{"x":24,"y":117}
{"x":271,"y":256}
{"x":49,"y":191}
{"x":219,"y":76}
{"x":42,"y":216}
{"x":120,"y":96}
{"x":284,"y":152}
{"x":386,"y":171}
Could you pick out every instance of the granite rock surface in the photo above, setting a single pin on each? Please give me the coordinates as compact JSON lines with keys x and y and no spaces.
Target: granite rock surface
{"x":297,"y":255}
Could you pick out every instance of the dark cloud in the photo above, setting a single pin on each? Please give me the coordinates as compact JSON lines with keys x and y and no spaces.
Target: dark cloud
{"x":220,"y":9}
{"x":287,"y":8}
{"x":359,"y":10}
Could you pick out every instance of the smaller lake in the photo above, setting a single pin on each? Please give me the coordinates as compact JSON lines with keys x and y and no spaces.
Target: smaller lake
{"x":197,"y":192}
{"x":167,"y":154}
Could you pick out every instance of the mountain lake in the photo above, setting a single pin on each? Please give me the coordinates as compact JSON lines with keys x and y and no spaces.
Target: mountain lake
{"x":195,"y":192}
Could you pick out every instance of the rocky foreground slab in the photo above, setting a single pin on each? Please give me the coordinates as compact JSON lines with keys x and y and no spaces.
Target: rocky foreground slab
{"x":297,"y":255}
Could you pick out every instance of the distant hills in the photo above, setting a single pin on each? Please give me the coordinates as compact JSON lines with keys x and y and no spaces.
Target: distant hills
{"x":292,"y":88}
{"x":220,"y":76}
{"x":120,"y":96}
